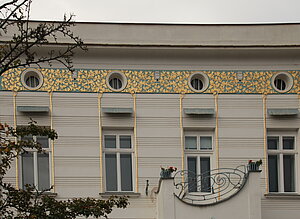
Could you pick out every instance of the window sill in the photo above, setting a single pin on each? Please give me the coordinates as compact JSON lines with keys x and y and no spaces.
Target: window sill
{"x":129,"y":194}
{"x":50,"y":194}
{"x":282,"y":195}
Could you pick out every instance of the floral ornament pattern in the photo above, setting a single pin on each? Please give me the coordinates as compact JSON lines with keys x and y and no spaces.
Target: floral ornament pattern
{"x":143,"y":81}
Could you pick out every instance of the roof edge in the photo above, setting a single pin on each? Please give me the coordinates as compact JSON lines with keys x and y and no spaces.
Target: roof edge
{"x":172,"y":24}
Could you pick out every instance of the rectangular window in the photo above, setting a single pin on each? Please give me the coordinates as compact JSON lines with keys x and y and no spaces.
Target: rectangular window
{"x":111,"y":172}
{"x":281,"y":162}
{"x":205,"y":174}
{"x":199,"y":151}
{"x":273,"y":173}
{"x":35,"y":167}
{"x":192,"y":173}
{"x":118,"y":161}
{"x":200,"y":143}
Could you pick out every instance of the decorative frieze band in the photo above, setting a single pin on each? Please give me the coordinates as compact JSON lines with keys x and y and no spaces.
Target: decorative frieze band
{"x":153,"y":81}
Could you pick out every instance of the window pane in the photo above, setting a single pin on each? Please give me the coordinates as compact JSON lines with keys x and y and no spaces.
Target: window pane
{"x":288,"y":142}
{"x":190,"y":142}
{"x":27,"y":138}
{"x":125,"y":141}
{"x":205,"y":174}
{"x":126,"y":172}
{"x":111,"y":172}
{"x":273,"y":173}
{"x":273,"y":142}
{"x":289,"y":173}
{"x":110,"y":141}
{"x":205,"y":142}
{"x":27,"y":169}
{"x":192,"y":173}
{"x":43,"y":171}
{"x":43,"y":140}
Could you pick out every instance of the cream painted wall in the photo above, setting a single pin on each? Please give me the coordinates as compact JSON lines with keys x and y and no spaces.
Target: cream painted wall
{"x":76,"y":155}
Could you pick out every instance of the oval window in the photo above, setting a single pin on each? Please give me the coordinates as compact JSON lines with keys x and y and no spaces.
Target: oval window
{"x":198,"y":82}
{"x":116,"y":81}
{"x":282,"y":82}
{"x":32,"y":79}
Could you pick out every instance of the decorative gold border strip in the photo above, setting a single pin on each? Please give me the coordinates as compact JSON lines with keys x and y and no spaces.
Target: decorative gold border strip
{"x":143,"y":81}
{"x":181,"y":130}
{"x":135,"y":144}
{"x":52,"y":142}
{"x":15,"y":127}
{"x":264,"y":97}
{"x":100,"y":143}
{"x":216,"y":98}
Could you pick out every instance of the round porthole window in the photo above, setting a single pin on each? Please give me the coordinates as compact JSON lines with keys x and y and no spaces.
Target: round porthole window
{"x":32,"y":79}
{"x":198,"y":82}
{"x":282,"y":82}
{"x":116,"y":81}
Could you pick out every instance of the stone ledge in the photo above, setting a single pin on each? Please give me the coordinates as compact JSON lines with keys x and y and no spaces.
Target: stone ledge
{"x":282,"y":196}
{"x":129,"y":194}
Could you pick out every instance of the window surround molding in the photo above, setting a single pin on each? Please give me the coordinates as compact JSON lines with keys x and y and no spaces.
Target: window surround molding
{"x":119,"y":75}
{"x":286,"y":78}
{"x":32,"y":72}
{"x":200,"y":76}
{"x":118,"y":151}
{"x":280,"y":152}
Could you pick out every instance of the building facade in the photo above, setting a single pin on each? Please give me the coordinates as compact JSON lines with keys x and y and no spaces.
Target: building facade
{"x":146,"y":96}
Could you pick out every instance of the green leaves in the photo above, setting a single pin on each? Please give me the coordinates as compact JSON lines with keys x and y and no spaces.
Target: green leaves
{"x":33,"y":129}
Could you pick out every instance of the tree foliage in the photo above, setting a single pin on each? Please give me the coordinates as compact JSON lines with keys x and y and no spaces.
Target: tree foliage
{"x":29,"y":202}
{"x":20,"y":38}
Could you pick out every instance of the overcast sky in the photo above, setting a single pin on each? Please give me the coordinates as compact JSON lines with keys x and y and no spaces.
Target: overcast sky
{"x":170,"y":11}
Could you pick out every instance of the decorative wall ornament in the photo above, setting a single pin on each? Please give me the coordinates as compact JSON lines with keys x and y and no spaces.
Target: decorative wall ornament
{"x":143,"y":81}
{"x":211,"y":187}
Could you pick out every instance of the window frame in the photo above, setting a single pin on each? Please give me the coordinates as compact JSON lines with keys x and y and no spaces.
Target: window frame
{"x":199,"y":153}
{"x":32,"y":72}
{"x":35,"y":164}
{"x":198,"y":149}
{"x":280,"y":152}
{"x":118,"y":151}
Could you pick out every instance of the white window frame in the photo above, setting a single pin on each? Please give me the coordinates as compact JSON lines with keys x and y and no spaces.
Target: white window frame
{"x":280,"y":152}
{"x":199,"y":153}
{"x":35,"y":163}
{"x":119,"y":151}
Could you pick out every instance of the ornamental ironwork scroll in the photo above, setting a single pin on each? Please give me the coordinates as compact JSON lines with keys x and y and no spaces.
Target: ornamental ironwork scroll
{"x":209,"y":187}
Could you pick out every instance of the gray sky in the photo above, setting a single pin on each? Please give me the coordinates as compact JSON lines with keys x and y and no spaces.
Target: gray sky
{"x":170,"y":11}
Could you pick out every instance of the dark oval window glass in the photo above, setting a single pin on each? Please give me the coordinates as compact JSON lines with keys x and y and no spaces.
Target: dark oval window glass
{"x":280,"y":84}
{"x":115,"y":83}
{"x":32,"y":81}
{"x":197,"y":84}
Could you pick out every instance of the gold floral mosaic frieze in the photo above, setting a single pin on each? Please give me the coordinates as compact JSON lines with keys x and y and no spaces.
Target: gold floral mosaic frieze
{"x":144,"y":81}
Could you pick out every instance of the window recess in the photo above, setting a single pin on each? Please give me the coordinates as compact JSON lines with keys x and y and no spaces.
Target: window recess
{"x":35,"y":166}
{"x":118,"y":161}
{"x":282,"y":162}
{"x":199,"y":154}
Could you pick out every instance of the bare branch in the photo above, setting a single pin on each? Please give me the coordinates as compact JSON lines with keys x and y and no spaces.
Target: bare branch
{"x":22,"y":49}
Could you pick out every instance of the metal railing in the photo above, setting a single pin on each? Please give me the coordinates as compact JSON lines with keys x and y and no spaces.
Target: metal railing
{"x":210,"y":187}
